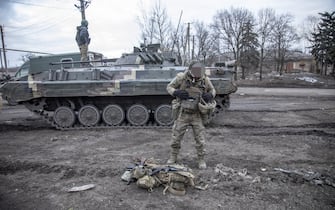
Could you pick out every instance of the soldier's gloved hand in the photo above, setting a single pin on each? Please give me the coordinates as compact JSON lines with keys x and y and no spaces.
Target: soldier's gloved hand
{"x":182,"y":94}
{"x":207,"y":97}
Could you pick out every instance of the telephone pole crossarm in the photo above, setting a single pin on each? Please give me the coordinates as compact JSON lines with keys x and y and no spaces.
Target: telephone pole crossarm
{"x":83,"y":5}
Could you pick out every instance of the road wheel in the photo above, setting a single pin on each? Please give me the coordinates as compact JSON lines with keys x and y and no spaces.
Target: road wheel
{"x":113,"y":114}
{"x":163,"y":115}
{"x":88,"y":115}
{"x":64,"y":117}
{"x":137,"y":114}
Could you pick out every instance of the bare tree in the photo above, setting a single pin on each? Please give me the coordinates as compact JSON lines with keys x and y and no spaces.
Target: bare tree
{"x":283,"y":36}
{"x":228,"y":27}
{"x":180,"y":43}
{"x":266,"y":19}
{"x":203,"y":41}
{"x":309,"y":26}
{"x":156,"y":26}
{"x":146,"y":25}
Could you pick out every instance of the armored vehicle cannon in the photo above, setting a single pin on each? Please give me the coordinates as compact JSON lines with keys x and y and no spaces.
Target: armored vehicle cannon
{"x":128,"y":92}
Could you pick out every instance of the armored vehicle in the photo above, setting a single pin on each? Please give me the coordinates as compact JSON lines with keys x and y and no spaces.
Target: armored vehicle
{"x":128,"y":92}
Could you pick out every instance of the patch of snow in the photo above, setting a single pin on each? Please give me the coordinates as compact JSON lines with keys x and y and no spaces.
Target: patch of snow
{"x":307,"y":79}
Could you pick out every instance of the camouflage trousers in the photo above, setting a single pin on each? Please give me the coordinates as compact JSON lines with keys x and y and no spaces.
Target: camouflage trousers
{"x":83,"y":52}
{"x":179,"y":128}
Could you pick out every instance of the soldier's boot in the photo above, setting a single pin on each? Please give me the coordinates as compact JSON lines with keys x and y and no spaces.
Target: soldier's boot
{"x":202,"y":163}
{"x":172,"y":159}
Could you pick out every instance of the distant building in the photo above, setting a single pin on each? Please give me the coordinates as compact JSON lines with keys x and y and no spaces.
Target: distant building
{"x":295,"y":61}
{"x":299,"y":62}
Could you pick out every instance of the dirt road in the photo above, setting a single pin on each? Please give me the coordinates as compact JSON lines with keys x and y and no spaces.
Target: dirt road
{"x":273,"y":149}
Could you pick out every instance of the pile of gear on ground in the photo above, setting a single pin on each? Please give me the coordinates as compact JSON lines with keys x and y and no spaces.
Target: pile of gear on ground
{"x":148,"y":174}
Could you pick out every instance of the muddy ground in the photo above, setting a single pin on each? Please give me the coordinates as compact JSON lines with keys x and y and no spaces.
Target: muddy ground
{"x":283,"y":139}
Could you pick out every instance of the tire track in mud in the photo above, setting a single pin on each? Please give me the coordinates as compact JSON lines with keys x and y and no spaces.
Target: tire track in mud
{"x":300,"y":130}
{"x":279,"y":111}
{"x":8,"y":127}
{"x":317,"y":125}
{"x":313,"y":132}
{"x":8,"y":167}
{"x":211,"y":127}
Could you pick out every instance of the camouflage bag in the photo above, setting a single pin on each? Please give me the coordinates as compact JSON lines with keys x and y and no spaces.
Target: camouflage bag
{"x":206,"y":110}
{"x":138,"y":172}
{"x":147,"y":182}
{"x":176,"y":182}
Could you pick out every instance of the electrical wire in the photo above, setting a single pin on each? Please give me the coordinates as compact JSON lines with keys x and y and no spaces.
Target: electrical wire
{"x":41,"y":22}
{"x":28,"y":51}
{"x":36,"y":24}
{"x":41,"y":26}
{"x":37,"y":5}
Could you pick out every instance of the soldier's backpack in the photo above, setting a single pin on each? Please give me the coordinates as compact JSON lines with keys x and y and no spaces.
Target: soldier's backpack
{"x":176,"y":182}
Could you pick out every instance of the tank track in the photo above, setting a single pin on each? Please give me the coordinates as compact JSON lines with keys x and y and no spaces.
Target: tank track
{"x":39,"y":109}
{"x":149,"y":125}
{"x":50,"y":121}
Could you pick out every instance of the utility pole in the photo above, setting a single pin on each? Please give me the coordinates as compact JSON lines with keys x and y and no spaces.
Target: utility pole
{"x":151,"y":30}
{"x":1,"y":58}
{"x":188,"y":42}
{"x":193,"y":47}
{"x":3,"y":48}
{"x":83,"y":5}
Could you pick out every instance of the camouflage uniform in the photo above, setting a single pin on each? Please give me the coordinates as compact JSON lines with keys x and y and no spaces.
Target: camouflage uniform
{"x":184,"y":81}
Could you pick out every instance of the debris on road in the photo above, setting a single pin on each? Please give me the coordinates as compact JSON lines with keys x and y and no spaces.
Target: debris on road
{"x":229,"y":173}
{"x":310,"y":176}
{"x":81,"y":188}
{"x":263,"y":169}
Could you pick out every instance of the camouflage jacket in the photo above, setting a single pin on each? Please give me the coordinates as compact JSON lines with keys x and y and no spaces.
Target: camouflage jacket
{"x":183,"y":81}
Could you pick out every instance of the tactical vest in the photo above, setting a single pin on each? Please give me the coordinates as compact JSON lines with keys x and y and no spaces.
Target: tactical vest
{"x":195,"y":91}
{"x":187,"y":84}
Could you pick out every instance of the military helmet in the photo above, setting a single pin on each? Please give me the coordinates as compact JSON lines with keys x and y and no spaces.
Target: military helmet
{"x":196,"y":70}
{"x":206,"y":108}
{"x":84,"y":23}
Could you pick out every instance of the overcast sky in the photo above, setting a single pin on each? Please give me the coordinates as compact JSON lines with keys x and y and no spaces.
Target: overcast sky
{"x":50,"y":25}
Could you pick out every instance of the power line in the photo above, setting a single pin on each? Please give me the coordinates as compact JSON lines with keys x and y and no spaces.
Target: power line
{"x":28,"y":51}
{"x":36,"y":5}
{"x":24,"y":31}
{"x":41,"y":22}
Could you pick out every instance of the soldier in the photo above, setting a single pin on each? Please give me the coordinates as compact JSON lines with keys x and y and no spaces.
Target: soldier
{"x":83,"y":40}
{"x":189,"y":88}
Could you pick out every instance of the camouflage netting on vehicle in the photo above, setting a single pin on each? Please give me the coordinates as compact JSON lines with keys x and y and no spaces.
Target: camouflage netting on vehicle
{"x":148,"y":174}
